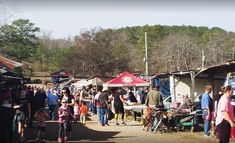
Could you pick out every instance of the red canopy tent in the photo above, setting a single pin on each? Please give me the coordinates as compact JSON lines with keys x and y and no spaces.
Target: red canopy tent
{"x":126,"y":80}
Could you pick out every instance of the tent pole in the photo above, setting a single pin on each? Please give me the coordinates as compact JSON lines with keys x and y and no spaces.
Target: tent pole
{"x":192,"y":74}
{"x":135,"y":91}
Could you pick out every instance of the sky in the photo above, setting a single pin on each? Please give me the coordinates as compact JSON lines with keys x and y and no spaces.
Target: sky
{"x":68,"y":18}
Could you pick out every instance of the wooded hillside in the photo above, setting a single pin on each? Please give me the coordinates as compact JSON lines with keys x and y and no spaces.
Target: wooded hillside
{"x":110,"y":51}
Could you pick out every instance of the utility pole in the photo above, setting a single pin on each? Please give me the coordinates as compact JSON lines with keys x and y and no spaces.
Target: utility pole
{"x":146,"y":56}
{"x":73,"y":74}
{"x":203,"y":59}
{"x":233,"y":52}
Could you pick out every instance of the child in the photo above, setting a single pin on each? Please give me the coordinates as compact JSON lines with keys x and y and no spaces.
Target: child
{"x":63,"y":113}
{"x":41,"y":116}
{"x":83,"y":112}
{"x":76,"y":109}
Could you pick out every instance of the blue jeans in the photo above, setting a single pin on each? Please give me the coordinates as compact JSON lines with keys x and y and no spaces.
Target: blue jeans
{"x":52,"y":111}
{"x":92,"y":107}
{"x":98,"y":113}
{"x":207,"y":123}
{"x":103,"y":117}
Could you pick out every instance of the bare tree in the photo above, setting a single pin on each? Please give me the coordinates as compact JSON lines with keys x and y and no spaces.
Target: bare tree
{"x":7,"y":11}
{"x":176,"y":52}
{"x":99,"y":52}
{"x":215,"y":50}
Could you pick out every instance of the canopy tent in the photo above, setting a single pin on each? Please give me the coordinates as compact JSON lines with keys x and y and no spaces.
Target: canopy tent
{"x":61,"y":74}
{"x":126,"y":79}
{"x":99,"y":79}
{"x":81,"y":83}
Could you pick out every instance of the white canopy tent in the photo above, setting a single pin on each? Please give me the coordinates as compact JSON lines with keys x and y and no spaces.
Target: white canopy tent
{"x":79,"y":84}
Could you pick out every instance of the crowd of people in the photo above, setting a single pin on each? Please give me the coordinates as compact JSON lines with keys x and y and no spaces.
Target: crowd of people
{"x":66,"y":107}
{"x":221,"y":113}
{"x":217,"y":111}
{"x":30,"y":104}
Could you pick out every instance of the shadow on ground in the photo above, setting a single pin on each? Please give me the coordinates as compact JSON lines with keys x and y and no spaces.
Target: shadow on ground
{"x":80,"y":132}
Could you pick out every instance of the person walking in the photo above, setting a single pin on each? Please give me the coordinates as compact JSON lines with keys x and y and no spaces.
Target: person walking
{"x":153,"y":98}
{"x":118,"y":105}
{"x":97,"y":104}
{"x":104,"y":106}
{"x":64,"y":115}
{"x":23,"y":113}
{"x":225,"y":115}
{"x":207,"y":108}
{"x":40,"y":99}
{"x":32,"y":102}
{"x":52,"y":99}
{"x":83,"y":113}
{"x":76,"y":109}
{"x":143,"y":94}
{"x":7,"y":115}
{"x":70,"y":103}
{"x":41,"y":116}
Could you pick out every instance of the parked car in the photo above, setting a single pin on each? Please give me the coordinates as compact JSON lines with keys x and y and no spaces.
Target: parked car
{"x":167,"y":102}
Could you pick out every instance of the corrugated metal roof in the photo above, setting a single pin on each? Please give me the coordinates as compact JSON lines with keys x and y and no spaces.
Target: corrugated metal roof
{"x":9,"y":64}
{"x":220,"y":69}
{"x":163,"y":75}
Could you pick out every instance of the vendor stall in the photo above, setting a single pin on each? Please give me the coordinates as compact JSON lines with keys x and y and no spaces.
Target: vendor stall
{"x":136,"y":108}
{"x":126,"y":79}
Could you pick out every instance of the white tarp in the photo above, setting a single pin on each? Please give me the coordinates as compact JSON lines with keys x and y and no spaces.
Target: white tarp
{"x":81,"y":83}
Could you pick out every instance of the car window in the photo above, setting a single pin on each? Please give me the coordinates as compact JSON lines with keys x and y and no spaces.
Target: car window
{"x":230,"y":80}
{"x":167,"y":99}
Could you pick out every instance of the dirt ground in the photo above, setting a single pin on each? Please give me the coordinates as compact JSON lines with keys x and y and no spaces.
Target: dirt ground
{"x":132,"y":132}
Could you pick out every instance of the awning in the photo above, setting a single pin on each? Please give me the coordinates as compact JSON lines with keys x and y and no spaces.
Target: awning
{"x":126,"y":79}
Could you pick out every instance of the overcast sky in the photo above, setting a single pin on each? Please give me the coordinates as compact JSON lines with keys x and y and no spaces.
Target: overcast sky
{"x":70,"y":17}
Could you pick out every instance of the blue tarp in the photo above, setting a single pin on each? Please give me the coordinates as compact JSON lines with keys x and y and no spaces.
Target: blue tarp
{"x":164,"y":87}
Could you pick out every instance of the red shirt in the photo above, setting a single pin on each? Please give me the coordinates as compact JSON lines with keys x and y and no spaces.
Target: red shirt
{"x":66,"y":113}
{"x":83,"y":110}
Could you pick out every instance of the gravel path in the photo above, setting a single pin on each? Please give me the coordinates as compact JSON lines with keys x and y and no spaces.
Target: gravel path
{"x":132,"y":132}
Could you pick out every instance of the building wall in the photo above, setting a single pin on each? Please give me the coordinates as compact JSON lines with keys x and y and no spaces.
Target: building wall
{"x":201,"y":83}
{"x":180,"y":86}
{"x":183,"y":86}
{"x":42,"y":78}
